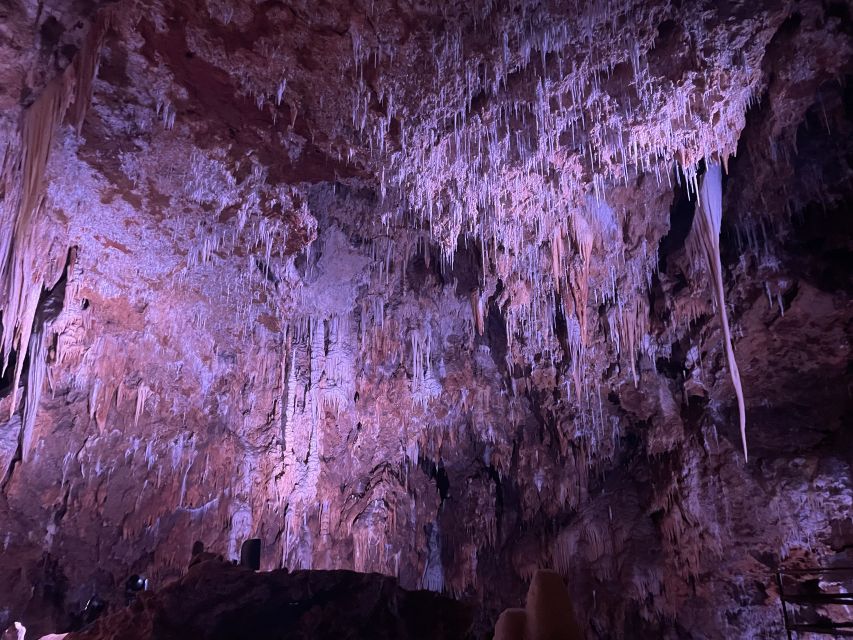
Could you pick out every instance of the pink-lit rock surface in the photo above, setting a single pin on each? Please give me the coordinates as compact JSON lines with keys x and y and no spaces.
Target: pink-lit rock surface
{"x":412,"y":288}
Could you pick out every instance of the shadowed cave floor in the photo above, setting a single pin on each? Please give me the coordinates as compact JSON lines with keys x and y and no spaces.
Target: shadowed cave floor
{"x":219,"y":601}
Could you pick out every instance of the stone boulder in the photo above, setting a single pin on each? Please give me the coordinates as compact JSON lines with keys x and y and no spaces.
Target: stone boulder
{"x":219,"y":601}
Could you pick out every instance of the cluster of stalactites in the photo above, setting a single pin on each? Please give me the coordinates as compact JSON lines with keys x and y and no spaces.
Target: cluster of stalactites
{"x":320,"y":362}
{"x":522,"y":162}
{"x":474,"y":165}
{"x":24,"y":272}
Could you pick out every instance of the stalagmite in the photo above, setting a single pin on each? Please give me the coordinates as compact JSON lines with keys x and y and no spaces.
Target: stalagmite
{"x":548,"y":614}
{"x":709,"y":215}
{"x":511,"y":625}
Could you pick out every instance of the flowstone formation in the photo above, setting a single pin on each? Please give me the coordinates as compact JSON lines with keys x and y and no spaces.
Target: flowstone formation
{"x":446,"y":291}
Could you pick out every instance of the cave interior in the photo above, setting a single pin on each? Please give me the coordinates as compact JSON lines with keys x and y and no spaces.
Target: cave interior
{"x":441,"y":301}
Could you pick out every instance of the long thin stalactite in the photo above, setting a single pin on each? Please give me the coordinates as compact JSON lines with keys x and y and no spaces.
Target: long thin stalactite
{"x":709,"y":216}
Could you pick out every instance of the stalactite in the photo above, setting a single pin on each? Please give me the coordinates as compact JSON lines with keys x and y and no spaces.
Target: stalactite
{"x":86,"y":65}
{"x":557,"y":253}
{"x":35,"y":384}
{"x":142,"y":394}
{"x":478,"y":312}
{"x":633,"y":326}
{"x":709,"y":217}
{"x":585,"y":238}
{"x":25,"y":160}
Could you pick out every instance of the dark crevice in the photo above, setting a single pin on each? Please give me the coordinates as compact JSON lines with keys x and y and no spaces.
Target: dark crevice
{"x":673,"y":366}
{"x":495,"y":332}
{"x":9,"y":375}
{"x":499,"y":496}
{"x":789,"y":296}
{"x":821,"y":246}
{"x":659,"y":310}
{"x":561,"y":328}
{"x":438,"y":474}
{"x":423,"y":268}
{"x":266,"y":271}
{"x":467,"y":269}
{"x":681,"y":214}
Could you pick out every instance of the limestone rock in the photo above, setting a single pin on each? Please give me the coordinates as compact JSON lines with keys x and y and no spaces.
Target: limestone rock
{"x":219,"y":600}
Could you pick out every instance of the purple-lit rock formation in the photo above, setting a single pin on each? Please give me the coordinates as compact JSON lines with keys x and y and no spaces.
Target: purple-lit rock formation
{"x":428,"y":289}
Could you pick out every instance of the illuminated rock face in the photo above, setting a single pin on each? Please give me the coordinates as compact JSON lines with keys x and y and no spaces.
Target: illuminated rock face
{"x":416,"y":289}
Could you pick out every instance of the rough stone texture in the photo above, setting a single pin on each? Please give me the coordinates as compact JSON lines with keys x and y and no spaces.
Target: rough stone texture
{"x":216,"y":600}
{"x":408,"y":288}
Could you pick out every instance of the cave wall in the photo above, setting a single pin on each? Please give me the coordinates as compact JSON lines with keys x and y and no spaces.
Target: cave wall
{"x":410,"y":289}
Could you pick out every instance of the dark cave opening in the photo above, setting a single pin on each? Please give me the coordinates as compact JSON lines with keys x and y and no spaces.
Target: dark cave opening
{"x":438,"y":474}
{"x":680,"y":222}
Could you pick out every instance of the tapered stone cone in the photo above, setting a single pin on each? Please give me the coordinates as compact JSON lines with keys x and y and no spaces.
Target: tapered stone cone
{"x":549,"y":609}
{"x":511,"y":625}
